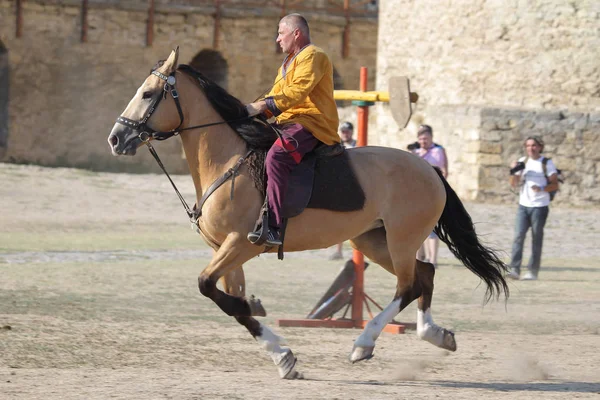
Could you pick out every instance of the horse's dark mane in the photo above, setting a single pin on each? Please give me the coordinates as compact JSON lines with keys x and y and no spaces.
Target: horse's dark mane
{"x":255,"y":132}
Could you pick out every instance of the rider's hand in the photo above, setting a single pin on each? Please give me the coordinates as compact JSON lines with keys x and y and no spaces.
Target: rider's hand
{"x":256,"y":108}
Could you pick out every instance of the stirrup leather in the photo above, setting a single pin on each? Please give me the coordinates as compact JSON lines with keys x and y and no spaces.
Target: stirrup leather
{"x":260,"y":233}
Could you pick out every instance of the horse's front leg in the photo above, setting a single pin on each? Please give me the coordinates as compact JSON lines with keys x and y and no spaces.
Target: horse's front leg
{"x":234,"y":251}
{"x":234,"y":285}
{"x":234,"y":282}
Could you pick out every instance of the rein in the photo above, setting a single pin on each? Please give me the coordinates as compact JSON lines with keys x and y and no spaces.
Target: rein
{"x":146,"y":134}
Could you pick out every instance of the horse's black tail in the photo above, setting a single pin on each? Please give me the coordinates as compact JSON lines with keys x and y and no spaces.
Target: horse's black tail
{"x":455,"y":228}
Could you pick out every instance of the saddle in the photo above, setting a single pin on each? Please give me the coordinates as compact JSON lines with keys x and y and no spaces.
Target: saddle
{"x":324,"y":179}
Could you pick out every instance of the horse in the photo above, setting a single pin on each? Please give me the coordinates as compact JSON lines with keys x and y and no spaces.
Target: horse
{"x":405,"y":200}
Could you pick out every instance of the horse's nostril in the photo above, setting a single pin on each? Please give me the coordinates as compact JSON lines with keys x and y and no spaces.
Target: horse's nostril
{"x":113,"y":140}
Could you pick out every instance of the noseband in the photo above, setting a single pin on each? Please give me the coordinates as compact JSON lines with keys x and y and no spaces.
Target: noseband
{"x":145,"y":133}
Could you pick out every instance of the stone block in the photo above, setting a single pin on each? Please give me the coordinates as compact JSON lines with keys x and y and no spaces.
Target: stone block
{"x":490,"y":159}
{"x":594,"y":118}
{"x":472,"y":134}
{"x":546,"y":116}
{"x":566,"y":163}
{"x":491,"y":135}
{"x":489,"y":125}
{"x":469,"y":158}
{"x":472,"y":147}
{"x":505,"y":124}
{"x":29,"y":6}
{"x":72,"y":11}
{"x":175,"y":19}
{"x":590,"y":136}
{"x":588,"y":181}
{"x":490,"y":147}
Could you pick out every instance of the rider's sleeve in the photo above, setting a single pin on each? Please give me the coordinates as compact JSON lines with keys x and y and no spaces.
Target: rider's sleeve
{"x":272,"y":107}
{"x":308,"y":73}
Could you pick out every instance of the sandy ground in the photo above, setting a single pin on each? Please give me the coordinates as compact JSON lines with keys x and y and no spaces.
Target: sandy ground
{"x":98,"y":300}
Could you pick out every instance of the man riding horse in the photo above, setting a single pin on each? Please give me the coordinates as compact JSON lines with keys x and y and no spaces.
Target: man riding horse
{"x":302,"y":102}
{"x":406,"y":198}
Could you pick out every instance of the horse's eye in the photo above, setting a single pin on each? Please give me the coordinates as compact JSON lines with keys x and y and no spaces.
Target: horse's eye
{"x":147,"y":95}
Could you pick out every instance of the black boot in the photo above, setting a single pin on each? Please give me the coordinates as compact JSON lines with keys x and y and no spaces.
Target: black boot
{"x":273,"y":237}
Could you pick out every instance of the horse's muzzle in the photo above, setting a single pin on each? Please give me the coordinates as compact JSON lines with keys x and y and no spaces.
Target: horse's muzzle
{"x":123,"y":142}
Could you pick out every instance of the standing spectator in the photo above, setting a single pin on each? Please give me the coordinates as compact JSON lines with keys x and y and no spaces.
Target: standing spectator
{"x":534,"y":199}
{"x":435,"y":155}
{"x":346,"y":135}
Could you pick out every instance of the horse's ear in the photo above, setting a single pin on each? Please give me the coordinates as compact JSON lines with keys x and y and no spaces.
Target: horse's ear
{"x":171,"y":62}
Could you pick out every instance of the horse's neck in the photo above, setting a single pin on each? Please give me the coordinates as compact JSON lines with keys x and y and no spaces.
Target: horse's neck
{"x":210,"y":153}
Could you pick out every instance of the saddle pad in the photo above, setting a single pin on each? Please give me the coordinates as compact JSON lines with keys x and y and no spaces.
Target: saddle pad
{"x":323,"y":182}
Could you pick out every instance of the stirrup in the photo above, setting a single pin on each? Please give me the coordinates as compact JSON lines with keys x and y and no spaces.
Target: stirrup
{"x":256,"y":237}
{"x":264,"y":236}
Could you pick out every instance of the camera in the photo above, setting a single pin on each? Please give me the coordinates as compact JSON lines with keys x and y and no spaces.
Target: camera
{"x":413,"y":146}
{"x":519,"y":167}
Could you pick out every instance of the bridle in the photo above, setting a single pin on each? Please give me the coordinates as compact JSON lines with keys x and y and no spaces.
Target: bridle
{"x":146,"y":133}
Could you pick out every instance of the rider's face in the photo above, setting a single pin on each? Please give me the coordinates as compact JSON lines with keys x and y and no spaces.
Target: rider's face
{"x":286,"y":38}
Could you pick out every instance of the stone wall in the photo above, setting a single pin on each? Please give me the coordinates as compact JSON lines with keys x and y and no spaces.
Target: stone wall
{"x":481,"y":142}
{"x":4,"y":79}
{"x":572,"y":140}
{"x":489,"y":73}
{"x":65,"y":95}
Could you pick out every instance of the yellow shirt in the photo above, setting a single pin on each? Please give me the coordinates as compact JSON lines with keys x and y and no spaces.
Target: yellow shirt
{"x":305,"y":94}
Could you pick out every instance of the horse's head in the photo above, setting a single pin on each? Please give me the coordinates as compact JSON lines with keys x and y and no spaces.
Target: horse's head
{"x":143,"y":119}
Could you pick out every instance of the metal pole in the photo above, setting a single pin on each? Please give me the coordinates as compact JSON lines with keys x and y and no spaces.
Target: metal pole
{"x":216,"y":29}
{"x":150,"y":24}
{"x":281,"y":15}
{"x":346,"y":35}
{"x":84,"y":20}
{"x":357,"y":257}
{"x":19,"y":29}
{"x":363,"y":111}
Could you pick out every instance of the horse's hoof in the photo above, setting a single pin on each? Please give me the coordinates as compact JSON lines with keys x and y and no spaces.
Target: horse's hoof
{"x":361,"y":353}
{"x":286,"y":367}
{"x":256,"y":307}
{"x":448,"y":343}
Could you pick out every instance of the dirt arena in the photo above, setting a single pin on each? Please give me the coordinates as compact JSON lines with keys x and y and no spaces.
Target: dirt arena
{"x":99,"y":300}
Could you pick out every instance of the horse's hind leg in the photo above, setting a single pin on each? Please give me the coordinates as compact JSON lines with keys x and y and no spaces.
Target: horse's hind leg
{"x":414,"y":280}
{"x":426,"y":329}
{"x":400,"y":262}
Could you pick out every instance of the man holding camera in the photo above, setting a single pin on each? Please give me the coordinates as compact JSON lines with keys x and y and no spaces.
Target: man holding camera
{"x":535,"y":186}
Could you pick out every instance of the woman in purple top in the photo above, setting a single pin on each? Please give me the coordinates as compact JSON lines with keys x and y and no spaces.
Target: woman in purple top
{"x":435,"y":155}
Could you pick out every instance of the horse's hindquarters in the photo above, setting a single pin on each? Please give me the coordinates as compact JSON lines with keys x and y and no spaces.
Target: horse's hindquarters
{"x":401,"y":191}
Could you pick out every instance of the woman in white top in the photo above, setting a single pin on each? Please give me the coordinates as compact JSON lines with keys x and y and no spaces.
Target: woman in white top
{"x":534,"y":185}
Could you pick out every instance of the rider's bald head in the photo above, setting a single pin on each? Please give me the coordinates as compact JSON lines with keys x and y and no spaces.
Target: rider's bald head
{"x":297,"y":21}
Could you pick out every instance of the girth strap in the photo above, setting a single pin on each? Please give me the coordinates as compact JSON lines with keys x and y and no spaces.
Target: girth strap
{"x":231,"y":173}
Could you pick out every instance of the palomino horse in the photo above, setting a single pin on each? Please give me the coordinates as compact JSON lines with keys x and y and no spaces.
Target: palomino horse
{"x":405,"y":200}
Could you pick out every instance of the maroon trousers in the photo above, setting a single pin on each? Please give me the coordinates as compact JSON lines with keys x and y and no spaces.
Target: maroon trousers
{"x":281,"y":159}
